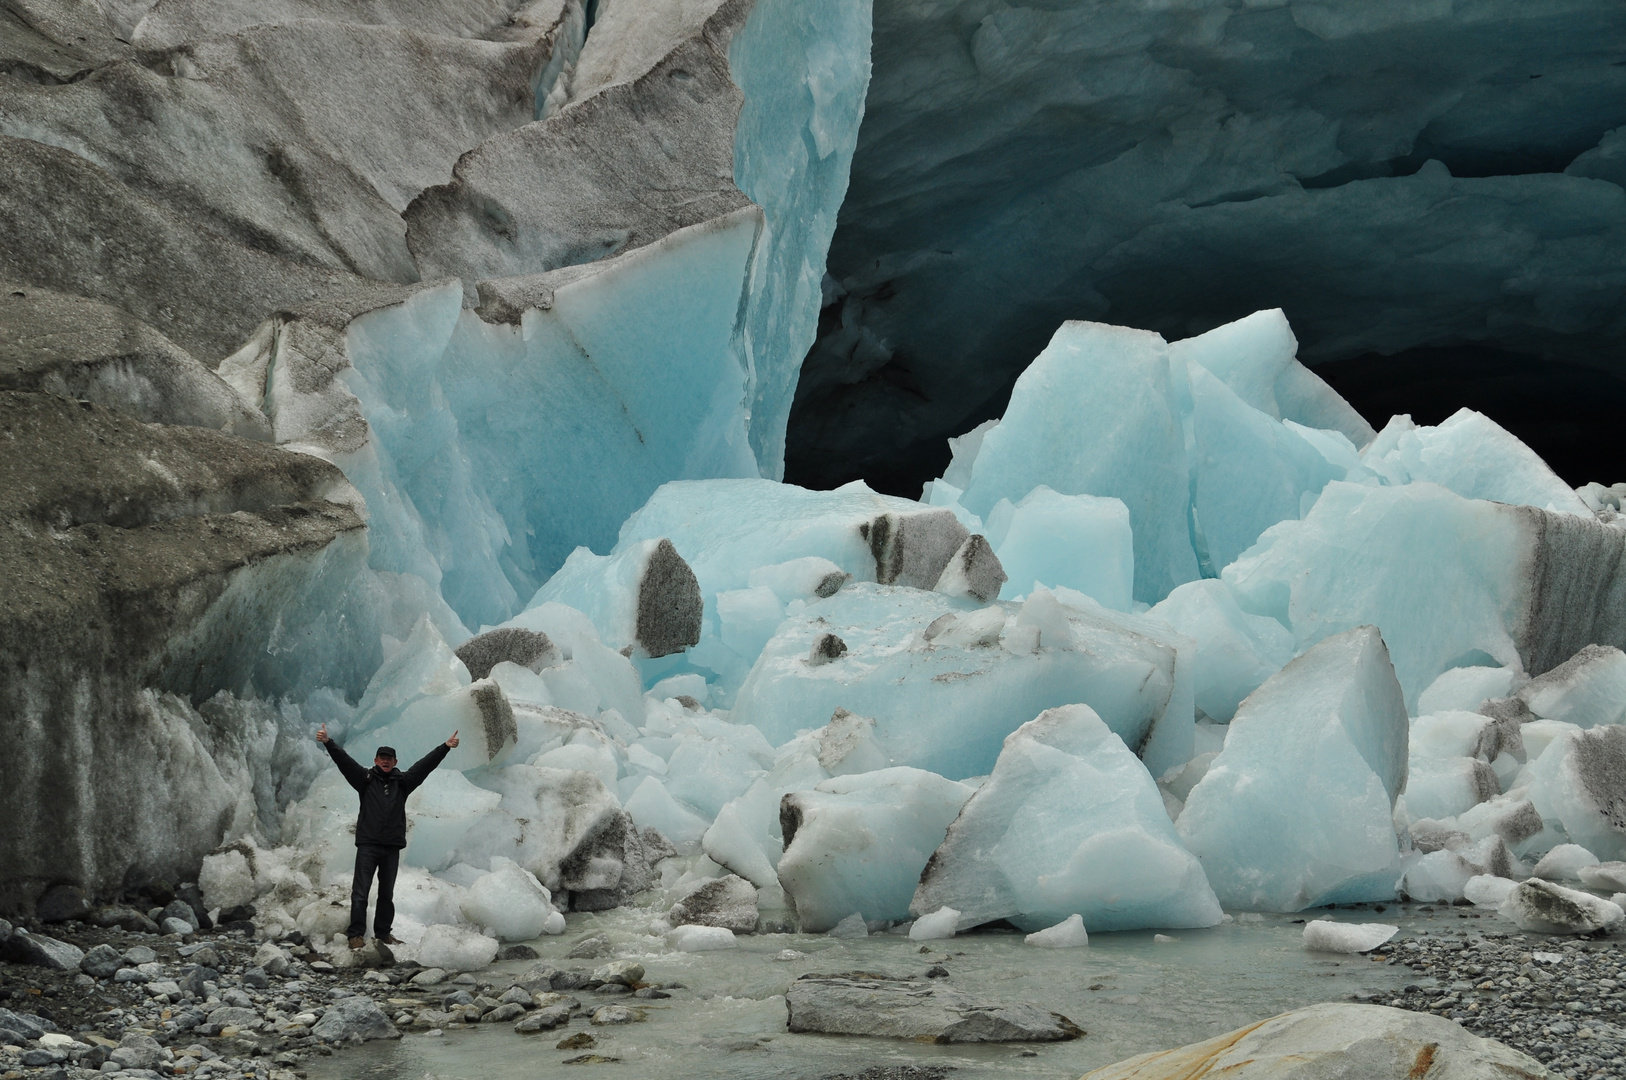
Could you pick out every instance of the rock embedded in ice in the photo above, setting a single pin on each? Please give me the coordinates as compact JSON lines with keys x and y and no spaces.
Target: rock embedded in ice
{"x":945,"y":705}
{"x":926,"y":1011}
{"x":1586,"y":690}
{"x":1545,"y":908}
{"x":1067,"y":934}
{"x":1564,"y":863}
{"x":1443,"y":577}
{"x":942,"y":923}
{"x":1324,"y":935}
{"x":644,"y":594}
{"x":510,"y":644}
{"x":1069,"y":822}
{"x":729,"y":902}
{"x":1579,"y":780}
{"x":913,"y":549}
{"x":974,"y":571}
{"x":692,"y":938}
{"x":479,"y":713}
{"x":859,"y":842}
{"x":1081,"y":542}
{"x":456,"y":949}
{"x":1236,"y":651}
{"x":1297,"y":810}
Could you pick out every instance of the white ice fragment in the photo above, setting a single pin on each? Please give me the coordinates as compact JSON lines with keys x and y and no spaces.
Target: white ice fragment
{"x":1080,"y":541}
{"x":939,"y":924}
{"x":1576,"y":782}
{"x":1324,"y":935}
{"x":973,"y":571}
{"x":652,"y":805}
{"x":1565,"y":863}
{"x":1610,"y":876}
{"x":509,"y":902}
{"x":1488,"y":890}
{"x":1297,"y":810}
{"x":456,"y":949}
{"x":693,"y":938}
{"x":443,"y":808}
{"x":1069,"y":822}
{"x":479,"y":713}
{"x":1067,"y":934}
{"x":859,"y":843}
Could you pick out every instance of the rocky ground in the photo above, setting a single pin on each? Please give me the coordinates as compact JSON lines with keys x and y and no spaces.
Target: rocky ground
{"x":219,"y":1005}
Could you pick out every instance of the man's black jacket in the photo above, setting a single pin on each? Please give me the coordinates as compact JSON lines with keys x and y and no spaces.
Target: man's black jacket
{"x":384,"y":795}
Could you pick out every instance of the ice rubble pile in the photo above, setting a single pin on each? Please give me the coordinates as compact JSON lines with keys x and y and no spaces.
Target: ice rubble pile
{"x":1201,"y":650}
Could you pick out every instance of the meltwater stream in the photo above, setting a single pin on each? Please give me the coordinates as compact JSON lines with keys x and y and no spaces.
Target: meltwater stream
{"x":1130,"y":992}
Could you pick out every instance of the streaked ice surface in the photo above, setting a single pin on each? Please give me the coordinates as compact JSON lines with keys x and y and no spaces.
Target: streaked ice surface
{"x":1129,"y":992}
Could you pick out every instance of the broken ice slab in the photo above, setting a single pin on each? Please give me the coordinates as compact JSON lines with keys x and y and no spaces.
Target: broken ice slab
{"x":479,"y":712}
{"x":1448,"y":580}
{"x":1586,"y":690}
{"x":439,"y":812}
{"x":1069,"y":823}
{"x":643,"y":595}
{"x":859,"y":842}
{"x":1235,"y":651}
{"x":944,"y":702}
{"x":1297,"y":809}
{"x":924,"y":1010}
{"x":1579,"y":784}
{"x":1078,"y":541}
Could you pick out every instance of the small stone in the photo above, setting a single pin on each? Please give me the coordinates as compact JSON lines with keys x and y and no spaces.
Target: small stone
{"x":127,"y":919}
{"x":272,"y":960}
{"x":182,"y":911}
{"x":130,"y":975}
{"x":428,"y":977}
{"x":615,"y":1014}
{"x":515,"y":995}
{"x":649,"y":993}
{"x":518,"y":952}
{"x":41,"y":951}
{"x":625,"y":972}
{"x":101,"y":962}
{"x":503,"y":1013}
{"x":140,"y":954}
{"x":544,"y":1019}
{"x":589,"y":948}
{"x":176,"y":926}
{"x":590,"y":1059}
{"x":579,"y":1041}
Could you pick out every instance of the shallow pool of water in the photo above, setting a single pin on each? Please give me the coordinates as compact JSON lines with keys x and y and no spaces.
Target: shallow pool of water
{"x":1130,"y":993}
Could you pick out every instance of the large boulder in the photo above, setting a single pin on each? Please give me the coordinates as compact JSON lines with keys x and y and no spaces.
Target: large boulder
{"x":1336,"y":1041}
{"x":922,"y":1010}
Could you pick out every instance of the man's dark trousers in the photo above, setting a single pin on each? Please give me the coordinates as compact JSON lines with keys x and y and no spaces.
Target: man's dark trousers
{"x":385,"y":861}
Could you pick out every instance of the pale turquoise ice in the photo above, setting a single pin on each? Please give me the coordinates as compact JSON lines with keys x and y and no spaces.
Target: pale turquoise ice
{"x":1078,"y":541}
{"x":1438,"y":574}
{"x":443,"y":808}
{"x":945,"y":705}
{"x":1562,"y":799}
{"x":1096,"y":414}
{"x":1465,"y":688}
{"x":1069,"y":822}
{"x":1475,"y":457}
{"x":863,"y":841}
{"x":1235,"y":651}
{"x":804,"y":70}
{"x":1297,"y":809}
{"x":603,"y":587}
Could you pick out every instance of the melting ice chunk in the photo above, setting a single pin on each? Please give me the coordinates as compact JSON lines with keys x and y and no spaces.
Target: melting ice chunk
{"x":1297,"y":809}
{"x":1235,"y":651}
{"x":1069,"y":823}
{"x":1079,"y":541}
{"x":1067,"y":934}
{"x":859,"y":842}
{"x":1323,"y":935}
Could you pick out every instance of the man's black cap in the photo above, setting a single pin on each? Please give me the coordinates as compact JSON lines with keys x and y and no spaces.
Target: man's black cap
{"x":385,"y":751}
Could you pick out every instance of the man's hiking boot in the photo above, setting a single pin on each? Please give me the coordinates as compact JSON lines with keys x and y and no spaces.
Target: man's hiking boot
{"x":391,"y":939}
{"x":356,"y":942}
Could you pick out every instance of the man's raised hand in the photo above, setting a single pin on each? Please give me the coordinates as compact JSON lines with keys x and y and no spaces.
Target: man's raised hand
{"x":452,"y":742}
{"x":321,"y":733}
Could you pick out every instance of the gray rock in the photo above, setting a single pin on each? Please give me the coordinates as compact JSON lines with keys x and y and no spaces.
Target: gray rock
{"x":60,"y":903}
{"x":354,"y":1018}
{"x":5,"y":930}
{"x":624,"y":972}
{"x":233,"y":1016}
{"x":503,"y":1013}
{"x":273,"y":961}
{"x":41,"y":1057}
{"x":181,"y":911}
{"x":669,"y":606}
{"x":167,"y":988}
{"x":101,"y":962}
{"x":40,"y":951}
{"x":125,"y":918}
{"x":544,"y":1019}
{"x":518,"y":952}
{"x":826,"y":647}
{"x":131,"y":975}
{"x":1547,"y":908}
{"x":900,"y":1009}
{"x":137,"y":1052}
{"x":429,"y":977}
{"x":973,"y":570}
{"x":913,"y":548}
{"x":1372,"y":1042}
{"x":513,"y":644}
{"x":615,"y":1014}
{"x":176,"y":926}
{"x":139,"y":954}
{"x":25,"y":1024}
{"x":196,"y":982}
{"x":728,"y":901}
{"x":515,"y":995}
{"x":615,"y":843}
{"x":256,"y":979}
